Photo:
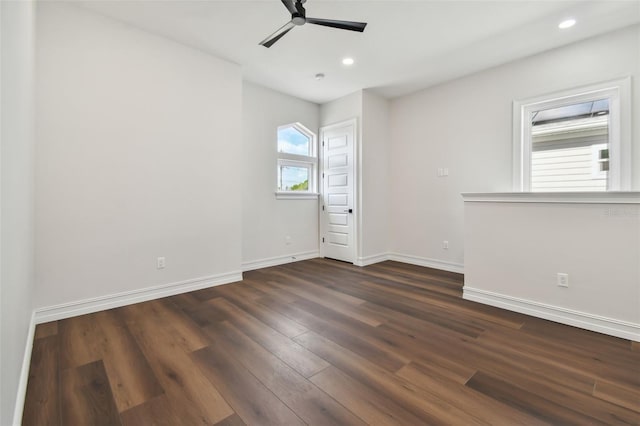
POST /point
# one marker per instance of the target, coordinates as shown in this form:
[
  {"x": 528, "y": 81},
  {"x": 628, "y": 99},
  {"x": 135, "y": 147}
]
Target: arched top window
[
  {"x": 297, "y": 162},
  {"x": 296, "y": 139}
]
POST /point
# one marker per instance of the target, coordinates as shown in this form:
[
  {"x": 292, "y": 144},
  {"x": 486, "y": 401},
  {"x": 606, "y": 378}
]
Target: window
[
  {"x": 297, "y": 162},
  {"x": 577, "y": 140},
  {"x": 599, "y": 161}
]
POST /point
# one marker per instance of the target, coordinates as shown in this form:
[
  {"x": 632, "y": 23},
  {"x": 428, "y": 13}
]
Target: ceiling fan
[{"x": 299, "y": 17}]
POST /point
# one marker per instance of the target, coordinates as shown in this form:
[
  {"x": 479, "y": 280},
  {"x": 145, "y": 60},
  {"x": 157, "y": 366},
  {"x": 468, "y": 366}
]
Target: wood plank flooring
[{"x": 321, "y": 342}]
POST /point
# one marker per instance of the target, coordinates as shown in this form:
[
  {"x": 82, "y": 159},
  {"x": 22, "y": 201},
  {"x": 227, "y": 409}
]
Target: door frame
[{"x": 356, "y": 185}]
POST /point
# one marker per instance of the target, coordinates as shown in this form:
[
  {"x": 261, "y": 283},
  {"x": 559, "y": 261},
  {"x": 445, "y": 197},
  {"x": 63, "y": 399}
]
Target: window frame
[
  {"x": 619, "y": 94},
  {"x": 297, "y": 160},
  {"x": 596, "y": 161}
]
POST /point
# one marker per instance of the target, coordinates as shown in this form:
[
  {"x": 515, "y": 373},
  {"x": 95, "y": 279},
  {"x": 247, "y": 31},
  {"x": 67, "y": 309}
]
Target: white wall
[
  {"x": 139, "y": 156},
  {"x": 266, "y": 221},
  {"x": 465, "y": 125},
  {"x": 514, "y": 250},
  {"x": 375, "y": 184},
  {"x": 17, "y": 202},
  {"x": 342, "y": 109}
]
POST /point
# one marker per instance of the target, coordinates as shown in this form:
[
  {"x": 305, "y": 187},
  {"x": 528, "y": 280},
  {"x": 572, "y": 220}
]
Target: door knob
[{"x": 350, "y": 210}]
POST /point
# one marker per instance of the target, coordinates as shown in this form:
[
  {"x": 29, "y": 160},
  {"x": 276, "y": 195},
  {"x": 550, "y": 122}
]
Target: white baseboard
[
  {"x": 610, "y": 326},
  {"x": 360, "y": 261},
  {"x": 412, "y": 260},
  {"x": 95, "y": 304},
  {"x": 24, "y": 373},
  {"x": 370, "y": 260},
  {"x": 426, "y": 262},
  {"x": 279, "y": 260}
]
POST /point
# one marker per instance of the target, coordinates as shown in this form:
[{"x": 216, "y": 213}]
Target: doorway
[{"x": 338, "y": 186}]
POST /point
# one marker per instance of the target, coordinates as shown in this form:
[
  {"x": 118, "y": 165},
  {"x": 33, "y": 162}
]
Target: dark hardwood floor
[{"x": 322, "y": 342}]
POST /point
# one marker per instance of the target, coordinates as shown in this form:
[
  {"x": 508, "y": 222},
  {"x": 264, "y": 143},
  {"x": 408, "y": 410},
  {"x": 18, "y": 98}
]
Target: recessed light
[
  {"x": 348, "y": 61},
  {"x": 319, "y": 76},
  {"x": 567, "y": 23}
]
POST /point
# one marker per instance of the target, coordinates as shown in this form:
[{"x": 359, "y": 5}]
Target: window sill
[
  {"x": 604, "y": 197},
  {"x": 289, "y": 195}
]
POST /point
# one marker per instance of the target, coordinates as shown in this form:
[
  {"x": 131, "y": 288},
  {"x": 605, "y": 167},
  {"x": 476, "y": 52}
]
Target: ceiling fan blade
[
  {"x": 343, "y": 25},
  {"x": 290, "y": 6},
  {"x": 268, "y": 42}
]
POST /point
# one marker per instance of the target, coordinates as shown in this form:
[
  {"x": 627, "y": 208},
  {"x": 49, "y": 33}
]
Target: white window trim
[
  {"x": 303, "y": 162},
  {"x": 296, "y": 160},
  {"x": 619, "y": 94},
  {"x": 296, "y": 195}
]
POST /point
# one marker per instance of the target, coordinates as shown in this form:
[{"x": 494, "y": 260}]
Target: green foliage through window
[{"x": 302, "y": 186}]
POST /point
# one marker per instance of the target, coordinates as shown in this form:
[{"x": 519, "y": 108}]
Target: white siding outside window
[{"x": 565, "y": 155}]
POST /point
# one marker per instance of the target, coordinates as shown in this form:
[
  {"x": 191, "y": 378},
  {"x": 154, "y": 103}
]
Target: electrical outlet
[
  {"x": 161, "y": 263},
  {"x": 287, "y": 240},
  {"x": 445, "y": 245},
  {"x": 563, "y": 280}
]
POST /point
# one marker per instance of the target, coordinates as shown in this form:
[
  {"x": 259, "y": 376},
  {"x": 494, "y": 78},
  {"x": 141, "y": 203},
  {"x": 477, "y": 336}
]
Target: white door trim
[{"x": 356, "y": 184}]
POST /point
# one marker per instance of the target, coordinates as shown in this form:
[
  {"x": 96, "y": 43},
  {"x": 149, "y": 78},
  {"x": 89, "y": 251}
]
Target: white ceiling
[{"x": 407, "y": 45}]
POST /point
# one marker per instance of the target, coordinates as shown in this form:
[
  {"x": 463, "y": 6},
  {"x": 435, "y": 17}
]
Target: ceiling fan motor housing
[{"x": 298, "y": 19}]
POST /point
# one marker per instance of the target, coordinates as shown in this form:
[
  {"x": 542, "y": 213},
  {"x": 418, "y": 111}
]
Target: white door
[{"x": 338, "y": 202}]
